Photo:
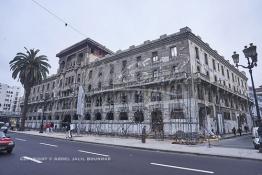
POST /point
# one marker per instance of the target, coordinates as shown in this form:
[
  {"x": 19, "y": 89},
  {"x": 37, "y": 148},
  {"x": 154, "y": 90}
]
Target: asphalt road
[
  {"x": 49, "y": 156},
  {"x": 244, "y": 142}
]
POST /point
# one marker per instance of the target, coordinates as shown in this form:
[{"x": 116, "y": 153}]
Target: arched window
[
  {"x": 139, "y": 116},
  {"x": 110, "y": 116},
  {"x": 123, "y": 116},
  {"x": 57, "y": 117},
  {"x": 98, "y": 116},
  {"x": 75, "y": 117},
  {"x": 87, "y": 116}
]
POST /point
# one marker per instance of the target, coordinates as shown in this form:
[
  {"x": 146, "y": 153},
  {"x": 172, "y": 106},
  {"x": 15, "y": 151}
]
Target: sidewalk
[{"x": 152, "y": 144}]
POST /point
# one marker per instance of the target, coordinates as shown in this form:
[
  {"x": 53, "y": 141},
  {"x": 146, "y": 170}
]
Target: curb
[
  {"x": 148, "y": 149},
  {"x": 230, "y": 137}
]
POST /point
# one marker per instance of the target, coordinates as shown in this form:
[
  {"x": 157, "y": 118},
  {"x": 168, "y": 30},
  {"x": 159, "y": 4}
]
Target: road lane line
[
  {"x": 21, "y": 139},
  {"x": 104, "y": 155},
  {"x": 48, "y": 144},
  {"x": 183, "y": 168},
  {"x": 33, "y": 160}
]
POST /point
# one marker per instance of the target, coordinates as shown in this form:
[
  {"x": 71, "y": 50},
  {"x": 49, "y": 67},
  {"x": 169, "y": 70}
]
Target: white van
[{"x": 255, "y": 137}]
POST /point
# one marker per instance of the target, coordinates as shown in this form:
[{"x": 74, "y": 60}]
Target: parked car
[
  {"x": 4, "y": 129},
  {"x": 6, "y": 143},
  {"x": 255, "y": 137}
]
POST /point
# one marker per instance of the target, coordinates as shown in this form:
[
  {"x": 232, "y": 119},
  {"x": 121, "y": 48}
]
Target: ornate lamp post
[
  {"x": 43, "y": 110},
  {"x": 251, "y": 56}
]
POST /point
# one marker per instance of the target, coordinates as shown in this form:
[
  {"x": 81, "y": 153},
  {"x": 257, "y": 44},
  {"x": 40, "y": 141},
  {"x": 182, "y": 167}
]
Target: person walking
[
  {"x": 239, "y": 130},
  {"x": 234, "y": 131},
  {"x": 68, "y": 133},
  {"x": 51, "y": 127}
]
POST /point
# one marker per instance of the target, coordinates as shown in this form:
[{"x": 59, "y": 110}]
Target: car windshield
[{"x": 2, "y": 135}]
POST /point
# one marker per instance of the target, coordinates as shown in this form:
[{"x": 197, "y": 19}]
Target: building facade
[
  {"x": 9, "y": 98},
  {"x": 259, "y": 100},
  {"x": 171, "y": 84}
]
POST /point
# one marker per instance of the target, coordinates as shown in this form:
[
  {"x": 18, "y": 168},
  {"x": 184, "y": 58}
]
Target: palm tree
[{"x": 30, "y": 69}]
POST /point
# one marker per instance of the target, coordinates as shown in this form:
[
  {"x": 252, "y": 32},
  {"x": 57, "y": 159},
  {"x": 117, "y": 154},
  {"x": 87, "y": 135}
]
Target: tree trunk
[{"x": 25, "y": 108}]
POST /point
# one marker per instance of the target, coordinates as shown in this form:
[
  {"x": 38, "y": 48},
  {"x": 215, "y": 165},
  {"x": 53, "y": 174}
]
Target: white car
[{"x": 255, "y": 137}]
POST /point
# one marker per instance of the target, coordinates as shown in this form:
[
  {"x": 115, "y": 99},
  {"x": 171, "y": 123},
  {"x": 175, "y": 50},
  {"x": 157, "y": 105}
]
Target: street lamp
[
  {"x": 251, "y": 56},
  {"x": 42, "y": 110}
]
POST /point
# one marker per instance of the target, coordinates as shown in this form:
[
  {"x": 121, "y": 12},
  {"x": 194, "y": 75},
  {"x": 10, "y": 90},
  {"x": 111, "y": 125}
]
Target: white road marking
[
  {"x": 183, "y": 168},
  {"x": 33, "y": 160},
  {"x": 48, "y": 144},
  {"x": 21, "y": 139},
  {"x": 93, "y": 153}
]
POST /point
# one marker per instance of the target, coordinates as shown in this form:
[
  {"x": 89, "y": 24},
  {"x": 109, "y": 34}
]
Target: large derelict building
[{"x": 174, "y": 83}]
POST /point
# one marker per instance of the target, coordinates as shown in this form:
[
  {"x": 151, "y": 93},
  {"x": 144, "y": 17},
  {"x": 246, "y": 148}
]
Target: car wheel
[{"x": 9, "y": 151}]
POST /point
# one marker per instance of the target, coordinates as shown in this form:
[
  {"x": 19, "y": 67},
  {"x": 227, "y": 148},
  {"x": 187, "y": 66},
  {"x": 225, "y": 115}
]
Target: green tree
[{"x": 29, "y": 69}]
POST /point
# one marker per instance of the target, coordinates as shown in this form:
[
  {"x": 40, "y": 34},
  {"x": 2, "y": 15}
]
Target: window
[
  {"x": 99, "y": 101},
  {"x": 111, "y": 83},
  {"x": 218, "y": 67},
  {"x": 174, "y": 69},
  {"x": 138, "y": 76},
  {"x": 156, "y": 96},
  {"x": 207, "y": 73},
  {"x": 139, "y": 116},
  {"x": 214, "y": 64},
  {"x": 138, "y": 61},
  {"x": 72, "y": 79},
  {"x": 197, "y": 53},
  {"x": 124, "y": 63},
  {"x": 215, "y": 78},
  {"x": 111, "y": 69},
  {"x": 233, "y": 77},
  {"x": 100, "y": 73},
  {"x": 138, "y": 97},
  {"x": 98, "y": 116},
  {"x": 110, "y": 116},
  {"x": 154, "y": 57},
  {"x": 228, "y": 74},
  {"x": 99, "y": 85},
  {"x": 227, "y": 116},
  {"x": 198, "y": 69},
  {"x": 177, "y": 114},
  {"x": 123, "y": 116},
  {"x": 47, "y": 86},
  {"x": 78, "y": 78},
  {"x": 222, "y": 69},
  {"x": 90, "y": 74},
  {"x": 155, "y": 74},
  {"x": 123, "y": 98},
  {"x": 206, "y": 59},
  {"x": 173, "y": 51}
]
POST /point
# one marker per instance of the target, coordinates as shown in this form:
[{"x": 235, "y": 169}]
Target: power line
[{"x": 58, "y": 18}]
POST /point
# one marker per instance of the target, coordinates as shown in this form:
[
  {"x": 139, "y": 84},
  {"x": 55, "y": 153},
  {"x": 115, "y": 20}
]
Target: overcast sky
[{"x": 226, "y": 25}]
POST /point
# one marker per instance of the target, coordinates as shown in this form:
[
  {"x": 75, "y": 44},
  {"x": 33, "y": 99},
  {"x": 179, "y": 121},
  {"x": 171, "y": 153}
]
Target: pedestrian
[
  {"x": 47, "y": 127},
  {"x": 51, "y": 127},
  {"x": 239, "y": 130},
  {"x": 72, "y": 127},
  {"x": 234, "y": 131},
  {"x": 246, "y": 128},
  {"x": 68, "y": 134}
]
